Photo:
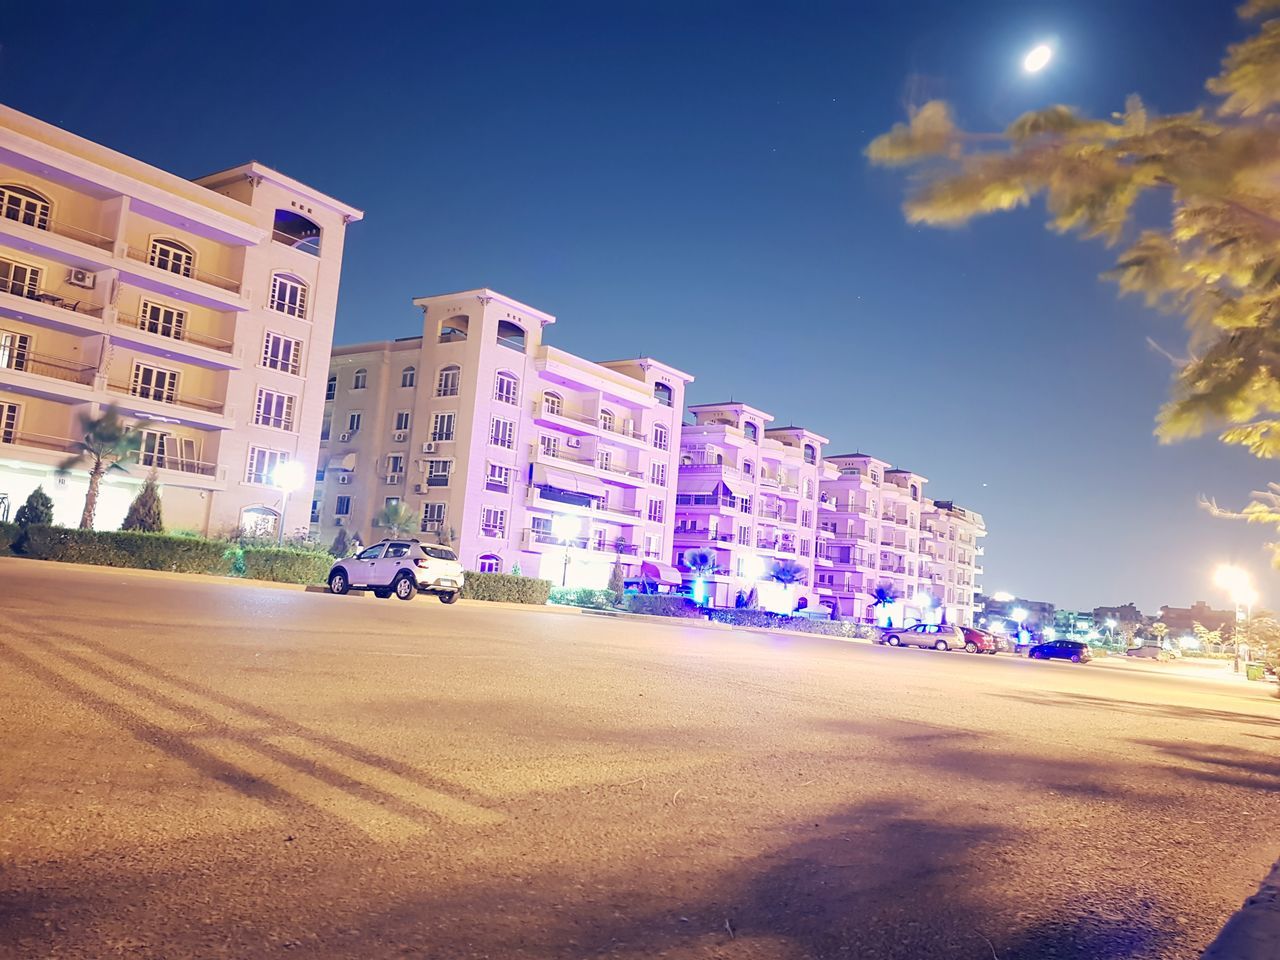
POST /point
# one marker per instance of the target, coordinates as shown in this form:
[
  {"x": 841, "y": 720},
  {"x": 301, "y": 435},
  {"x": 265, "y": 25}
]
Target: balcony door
[
  {"x": 15, "y": 349},
  {"x": 19, "y": 279},
  {"x": 154, "y": 383},
  {"x": 166, "y": 321},
  {"x": 8, "y": 422}
]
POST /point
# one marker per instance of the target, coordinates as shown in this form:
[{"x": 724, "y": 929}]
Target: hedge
[
  {"x": 8, "y": 534},
  {"x": 143, "y": 551},
  {"x": 663, "y": 605},
  {"x": 781, "y": 621},
  {"x": 585, "y": 597},
  {"x": 506, "y": 588},
  {"x": 284, "y": 564}
]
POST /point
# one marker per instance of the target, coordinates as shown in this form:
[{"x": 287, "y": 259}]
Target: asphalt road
[{"x": 202, "y": 770}]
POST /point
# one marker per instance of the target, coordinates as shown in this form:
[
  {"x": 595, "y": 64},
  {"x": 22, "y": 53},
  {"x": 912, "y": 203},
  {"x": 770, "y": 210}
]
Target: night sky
[{"x": 686, "y": 180}]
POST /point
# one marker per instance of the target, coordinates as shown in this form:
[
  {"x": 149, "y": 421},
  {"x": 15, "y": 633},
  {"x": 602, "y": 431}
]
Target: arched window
[
  {"x": 808, "y": 489},
  {"x": 748, "y": 467},
  {"x": 915, "y": 492},
  {"x": 553, "y": 404},
  {"x": 331, "y": 388},
  {"x": 489, "y": 563},
  {"x": 259, "y": 521},
  {"x": 608, "y": 421},
  {"x": 454, "y": 328},
  {"x": 360, "y": 380},
  {"x": 172, "y": 256},
  {"x": 448, "y": 381},
  {"x": 408, "y": 376},
  {"x": 506, "y": 387},
  {"x": 25, "y": 206},
  {"x": 294, "y": 230},
  {"x": 662, "y": 393},
  {"x": 810, "y": 453},
  {"x": 288, "y": 295},
  {"x": 750, "y": 431},
  {"x": 511, "y": 335},
  {"x": 661, "y": 438}
]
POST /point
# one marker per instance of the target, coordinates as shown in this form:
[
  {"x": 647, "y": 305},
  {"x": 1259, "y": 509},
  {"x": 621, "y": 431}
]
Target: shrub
[
  {"x": 584, "y": 597},
  {"x": 506, "y": 588},
  {"x": 144, "y": 512},
  {"x": 663, "y": 605},
  {"x": 144, "y": 551},
  {"x": 284, "y": 564},
  {"x": 9, "y": 532},
  {"x": 37, "y": 509},
  {"x": 762, "y": 619}
]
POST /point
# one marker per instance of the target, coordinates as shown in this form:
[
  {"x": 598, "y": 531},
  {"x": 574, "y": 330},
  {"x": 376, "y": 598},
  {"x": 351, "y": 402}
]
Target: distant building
[
  {"x": 1039, "y": 613},
  {"x": 1127, "y": 613},
  {"x": 1182, "y": 620}
]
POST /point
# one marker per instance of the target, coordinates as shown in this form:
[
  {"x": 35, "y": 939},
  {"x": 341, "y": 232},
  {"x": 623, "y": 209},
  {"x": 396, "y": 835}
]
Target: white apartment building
[
  {"x": 520, "y": 455},
  {"x": 205, "y": 308}
]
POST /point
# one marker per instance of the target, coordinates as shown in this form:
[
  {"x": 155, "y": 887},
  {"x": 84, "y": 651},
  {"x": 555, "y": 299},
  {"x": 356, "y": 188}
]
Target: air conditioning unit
[
  {"x": 428, "y": 448},
  {"x": 574, "y": 442},
  {"x": 344, "y": 438},
  {"x": 421, "y": 488},
  {"x": 339, "y": 521},
  {"x": 81, "y": 278},
  {"x": 400, "y": 437},
  {"x": 393, "y": 478},
  {"x": 344, "y": 478}
]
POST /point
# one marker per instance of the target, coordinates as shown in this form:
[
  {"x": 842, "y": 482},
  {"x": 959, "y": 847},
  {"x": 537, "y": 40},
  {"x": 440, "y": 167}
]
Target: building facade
[
  {"x": 521, "y": 456},
  {"x": 203, "y": 308}
]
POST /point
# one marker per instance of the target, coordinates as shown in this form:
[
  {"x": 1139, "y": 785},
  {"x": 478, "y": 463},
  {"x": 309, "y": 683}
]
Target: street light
[
  {"x": 286, "y": 477},
  {"x": 1238, "y": 585},
  {"x": 565, "y": 528}
]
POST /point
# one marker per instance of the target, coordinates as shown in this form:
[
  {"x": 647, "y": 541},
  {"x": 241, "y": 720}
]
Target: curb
[
  {"x": 162, "y": 574},
  {"x": 1253, "y": 932}
]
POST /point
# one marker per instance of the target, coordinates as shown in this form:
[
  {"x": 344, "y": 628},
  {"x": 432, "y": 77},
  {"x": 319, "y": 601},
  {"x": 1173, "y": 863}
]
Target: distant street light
[
  {"x": 565, "y": 528},
  {"x": 1237, "y": 583},
  {"x": 1018, "y": 614},
  {"x": 287, "y": 477}
]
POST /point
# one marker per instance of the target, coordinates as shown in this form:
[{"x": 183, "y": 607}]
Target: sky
[{"x": 686, "y": 180}]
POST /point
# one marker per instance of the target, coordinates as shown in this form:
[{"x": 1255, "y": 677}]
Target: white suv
[{"x": 402, "y": 567}]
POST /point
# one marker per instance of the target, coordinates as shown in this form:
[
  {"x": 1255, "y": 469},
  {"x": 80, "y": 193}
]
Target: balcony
[
  {"x": 213, "y": 279},
  {"x": 612, "y": 474},
  {"x": 66, "y": 243},
  {"x": 547, "y": 538},
  {"x": 39, "y": 441},
  {"x": 201, "y": 412},
  {"x": 706, "y": 500},
  {"x": 562, "y": 501},
  {"x": 56, "y": 368},
  {"x": 148, "y": 335},
  {"x": 701, "y": 536}
]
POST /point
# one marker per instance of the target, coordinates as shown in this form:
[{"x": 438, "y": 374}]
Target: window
[
  {"x": 540, "y": 525},
  {"x": 402, "y": 420},
  {"x": 915, "y": 492},
  {"x": 395, "y": 463},
  {"x": 331, "y": 388},
  {"x": 154, "y": 383},
  {"x": 283, "y": 353},
  {"x": 288, "y": 296},
  {"x": 8, "y": 422},
  {"x": 810, "y": 453},
  {"x": 506, "y": 388},
  {"x": 489, "y": 563},
  {"x": 806, "y": 518},
  {"x": 15, "y": 350},
  {"x": 493, "y": 522},
  {"x": 553, "y": 404},
  {"x": 19, "y": 279},
  {"x": 25, "y": 206},
  {"x": 658, "y": 473},
  {"x": 262, "y": 464},
  {"x": 498, "y": 479},
  {"x": 663, "y": 394},
  {"x": 274, "y": 409},
  {"x": 454, "y": 329},
  {"x": 607, "y": 421},
  {"x": 748, "y": 467},
  {"x": 804, "y": 548},
  {"x": 360, "y": 380},
  {"x": 442, "y": 426},
  {"x": 353, "y": 421},
  {"x": 438, "y": 472},
  {"x": 408, "y": 376},
  {"x": 604, "y": 459},
  {"x": 657, "y": 509},
  {"x": 550, "y": 446},
  {"x": 432, "y": 517},
  {"x": 448, "y": 380},
  {"x": 161, "y": 319},
  {"x": 171, "y": 256},
  {"x": 660, "y": 438},
  {"x": 744, "y": 536},
  {"x": 315, "y": 511},
  {"x": 510, "y": 335},
  {"x": 808, "y": 489},
  {"x": 502, "y": 433},
  {"x": 296, "y": 231},
  {"x": 342, "y": 506},
  {"x": 750, "y": 431},
  {"x": 326, "y": 425},
  {"x": 154, "y": 451}
]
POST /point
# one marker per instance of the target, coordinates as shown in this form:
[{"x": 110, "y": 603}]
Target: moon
[{"x": 1037, "y": 58}]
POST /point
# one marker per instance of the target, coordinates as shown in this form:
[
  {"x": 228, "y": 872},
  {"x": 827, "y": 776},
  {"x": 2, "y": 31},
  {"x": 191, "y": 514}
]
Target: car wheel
[
  {"x": 1034, "y": 655},
  {"x": 992, "y": 652},
  {"x": 1075, "y": 658},
  {"x": 970, "y": 647},
  {"x": 893, "y": 641},
  {"x": 941, "y": 645},
  {"x": 338, "y": 582},
  {"x": 450, "y": 597},
  {"x": 405, "y": 588}
]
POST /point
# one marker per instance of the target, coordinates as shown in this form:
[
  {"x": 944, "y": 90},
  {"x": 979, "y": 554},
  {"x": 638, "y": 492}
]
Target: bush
[
  {"x": 144, "y": 513},
  {"x": 584, "y": 597},
  {"x": 505, "y": 588},
  {"x": 37, "y": 509},
  {"x": 663, "y": 605},
  {"x": 144, "y": 551},
  {"x": 9, "y": 532},
  {"x": 284, "y": 564}
]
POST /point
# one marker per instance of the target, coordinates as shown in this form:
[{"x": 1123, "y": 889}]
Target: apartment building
[
  {"x": 520, "y": 455},
  {"x": 950, "y": 550},
  {"x": 748, "y": 495},
  {"x": 204, "y": 308}
]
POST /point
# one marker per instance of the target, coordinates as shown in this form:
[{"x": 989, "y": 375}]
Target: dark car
[
  {"x": 979, "y": 641},
  {"x": 1073, "y": 650}
]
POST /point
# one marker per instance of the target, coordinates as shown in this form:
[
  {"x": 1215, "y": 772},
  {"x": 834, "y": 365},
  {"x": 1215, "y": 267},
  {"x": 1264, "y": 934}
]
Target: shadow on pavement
[{"x": 1167, "y": 711}]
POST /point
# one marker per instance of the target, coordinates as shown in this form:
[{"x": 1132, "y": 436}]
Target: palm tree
[
  {"x": 884, "y": 595},
  {"x": 701, "y": 563},
  {"x": 788, "y": 572},
  {"x": 397, "y": 518},
  {"x": 108, "y": 444}
]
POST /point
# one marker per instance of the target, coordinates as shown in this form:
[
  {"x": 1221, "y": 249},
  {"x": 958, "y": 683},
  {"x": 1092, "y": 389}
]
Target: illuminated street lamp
[
  {"x": 565, "y": 528},
  {"x": 287, "y": 477},
  {"x": 1237, "y": 583}
]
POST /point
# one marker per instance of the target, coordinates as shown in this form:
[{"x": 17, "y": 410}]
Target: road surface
[{"x": 204, "y": 770}]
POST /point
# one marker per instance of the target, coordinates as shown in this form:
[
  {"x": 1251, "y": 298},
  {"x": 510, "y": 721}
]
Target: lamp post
[
  {"x": 565, "y": 528},
  {"x": 1238, "y": 584},
  {"x": 286, "y": 477}
]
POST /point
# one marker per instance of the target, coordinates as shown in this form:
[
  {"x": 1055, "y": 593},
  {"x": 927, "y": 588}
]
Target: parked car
[
  {"x": 980, "y": 641},
  {"x": 1074, "y": 650},
  {"x": 401, "y": 567},
  {"x": 939, "y": 636}
]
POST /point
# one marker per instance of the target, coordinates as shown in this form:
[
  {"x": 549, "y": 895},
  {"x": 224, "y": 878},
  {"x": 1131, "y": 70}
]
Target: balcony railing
[
  {"x": 40, "y": 440},
  {"x": 55, "y": 367},
  {"x": 580, "y": 543},
  {"x": 180, "y": 400},
  {"x": 72, "y": 303},
  {"x": 543, "y": 495},
  {"x": 722, "y": 468},
  {"x": 178, "y": 464},
  {"x": 182, "y": 334},
  {"x": 591, "y": 462},
  {"x": 68, "y": 230},
  {"x": 705, "y": 500},
  {"x": 727, "y": 538},
  {"x": 213, "y": 279}
]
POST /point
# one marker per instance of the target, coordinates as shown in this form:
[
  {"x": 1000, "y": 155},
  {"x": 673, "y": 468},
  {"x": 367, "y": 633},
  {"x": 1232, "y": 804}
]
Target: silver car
[
  {"x": 937, "y": 636},
  {"x": 404, "y": 568}
]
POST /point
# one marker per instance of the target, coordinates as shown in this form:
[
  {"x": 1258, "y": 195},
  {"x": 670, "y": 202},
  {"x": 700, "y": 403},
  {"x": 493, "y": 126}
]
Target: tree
[
  {"x": 397, "y": 518},
  {"x": 1160, "y": 630},
  {"x": 144, "y": 512},
  {"x": 37, "y": 509},
  {"x": 885, "y": 595},
  {"x": 701, "y": 563},
  {"x": 1217, "y": 263},
  {"x": 617, "y": 585},
  {"x": 107, "y": 444},
  {"x": 339, "y": 548},
  {"x": 788, "y": 572},
  {"x": 1208, "y": 638}
]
